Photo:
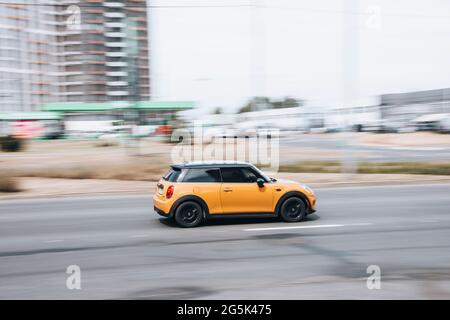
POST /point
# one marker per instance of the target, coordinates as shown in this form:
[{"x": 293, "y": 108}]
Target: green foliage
[
  {"x": 263, "y": 103},
  {"x": 10, "y": 144},
  {"x": 218, "y": 110}
]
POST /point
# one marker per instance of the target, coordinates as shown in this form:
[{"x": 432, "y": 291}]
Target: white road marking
[
  {"x": 429, "y": 220},
  {"x": 140, "y": 236},
  {"x": 308, "y": 227},
  {"x": 52, "y": 241}
]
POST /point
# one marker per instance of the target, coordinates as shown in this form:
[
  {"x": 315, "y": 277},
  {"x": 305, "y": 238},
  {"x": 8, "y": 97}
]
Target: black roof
[{"x": 211, "y": 164}]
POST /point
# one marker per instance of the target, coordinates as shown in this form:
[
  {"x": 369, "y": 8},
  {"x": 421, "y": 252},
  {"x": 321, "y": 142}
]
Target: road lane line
[
  {"x": 308, "y": 227},
  {"x": 52, "y": 241}
]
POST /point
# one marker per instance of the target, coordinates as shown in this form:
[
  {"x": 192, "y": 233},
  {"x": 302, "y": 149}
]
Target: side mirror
[{"x": 260, "y": 182}]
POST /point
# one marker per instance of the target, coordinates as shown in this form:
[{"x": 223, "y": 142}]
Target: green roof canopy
[
  {"x": 143, "y": 105},
  {"x": 11, "y": 116}
]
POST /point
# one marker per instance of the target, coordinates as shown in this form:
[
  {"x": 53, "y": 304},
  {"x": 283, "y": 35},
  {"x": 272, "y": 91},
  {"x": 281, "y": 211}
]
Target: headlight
[{"x": 307, "y": 188}]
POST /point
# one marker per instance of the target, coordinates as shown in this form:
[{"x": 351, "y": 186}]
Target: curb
[{"x": 338, "y": 184}]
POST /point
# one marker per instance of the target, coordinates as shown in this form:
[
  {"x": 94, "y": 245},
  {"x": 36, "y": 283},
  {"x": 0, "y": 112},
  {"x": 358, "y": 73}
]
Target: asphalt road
[
  {"x": 364, "y": 152},
  {"x": 126, "y": 251}
]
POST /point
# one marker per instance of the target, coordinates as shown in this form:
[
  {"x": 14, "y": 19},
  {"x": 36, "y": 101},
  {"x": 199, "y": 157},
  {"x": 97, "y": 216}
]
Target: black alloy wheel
[
  {"x": 189, "y": 214},
  {"x": 293, "y": 210}
]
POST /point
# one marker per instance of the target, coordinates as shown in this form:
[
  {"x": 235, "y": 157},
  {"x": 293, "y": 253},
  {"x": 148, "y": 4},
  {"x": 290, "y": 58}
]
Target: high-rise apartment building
[{"x": 72, "y": 51}]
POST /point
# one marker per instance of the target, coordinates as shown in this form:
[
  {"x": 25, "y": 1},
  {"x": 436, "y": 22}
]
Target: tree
[
  {"x": 256, "y": 104},
  {"x": 263, "y": 103},
  {"x": 287, "y": 102},
  {"x": 218, "y": 110}
]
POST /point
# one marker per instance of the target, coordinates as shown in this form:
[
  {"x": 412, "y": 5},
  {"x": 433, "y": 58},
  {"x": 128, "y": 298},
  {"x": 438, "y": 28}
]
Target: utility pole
[
  {"x": 349, "y": 75},
  {"x": 132, "y": 54},
  {"x": 257, "y": 52}
]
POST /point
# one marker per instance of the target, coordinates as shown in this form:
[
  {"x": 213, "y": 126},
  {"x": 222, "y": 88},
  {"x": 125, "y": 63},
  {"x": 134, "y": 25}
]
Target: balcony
[
  {"x": 117, "y": 74},
  {"x": 113, "y": 4},
  {"x": 117, "y": 93},
  {"x": 117, "y": 83},
  {"x": 115, "y": 25},
  {"x": 115, "y": 44},
  {"x": 117, "y": 64},
  {"x": 69, "y": 83},
  {"x": 118, "y": 54},
  {"x": 115, "y": 34},
  {"x": 64, "y": 54},
  {"x": 114, "y": 15}
]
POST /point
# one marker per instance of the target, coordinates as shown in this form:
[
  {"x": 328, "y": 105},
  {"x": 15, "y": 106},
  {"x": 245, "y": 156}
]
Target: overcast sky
[{"x": 222, "y": 56}]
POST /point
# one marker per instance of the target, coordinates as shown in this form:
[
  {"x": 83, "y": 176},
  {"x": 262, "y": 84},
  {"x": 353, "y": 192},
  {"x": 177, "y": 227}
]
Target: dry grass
[
  {"x": 86, "y": 160},
  {"x": 124, "y": 171},
  {"x": 434, "y": 168},
  {"x": 313, "y": 166},
  {"x": 72, "y": 159},
  {"x": 431, "y": 168}
]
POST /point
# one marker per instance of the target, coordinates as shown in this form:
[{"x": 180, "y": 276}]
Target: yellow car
[{"x": 195, "y": 191}]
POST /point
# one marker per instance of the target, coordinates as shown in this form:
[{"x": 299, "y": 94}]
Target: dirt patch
[{"x": 414, "y": 139}]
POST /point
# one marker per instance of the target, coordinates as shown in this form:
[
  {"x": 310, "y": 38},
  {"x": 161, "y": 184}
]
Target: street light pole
[
  {"x": 257, "y": 52},
  {"x": 132, "y": 51},
  {"x": 349, "y": 75}
]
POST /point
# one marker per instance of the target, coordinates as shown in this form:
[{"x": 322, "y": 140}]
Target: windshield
[{"x": 265, "y": 177}]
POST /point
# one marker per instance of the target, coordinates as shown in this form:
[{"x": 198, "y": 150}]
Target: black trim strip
[{"x": 242, "y": 215}]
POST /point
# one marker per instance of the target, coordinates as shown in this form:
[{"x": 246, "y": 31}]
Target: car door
[
  {"x": 239, "y": 192},
  {"x": 204, "y": 183}
]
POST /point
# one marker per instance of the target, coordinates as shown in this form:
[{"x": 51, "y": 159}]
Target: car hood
[{"x": 287, "y": 181}]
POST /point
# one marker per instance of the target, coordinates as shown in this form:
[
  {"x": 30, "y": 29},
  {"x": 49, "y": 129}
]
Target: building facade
[
  {"x": 410, "y": 105},
  {"x": 72, "y": 51}
]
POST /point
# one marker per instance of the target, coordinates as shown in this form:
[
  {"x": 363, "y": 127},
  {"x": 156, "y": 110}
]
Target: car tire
[
  {"x": 293, "y": 209},
  {"x": 189, "y": 214}
]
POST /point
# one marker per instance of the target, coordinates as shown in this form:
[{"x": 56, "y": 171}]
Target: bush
[
  {"x": 10, "y": 144},
  {"x": 8, "y": 184},
  {"x": 106, "y": 144}
]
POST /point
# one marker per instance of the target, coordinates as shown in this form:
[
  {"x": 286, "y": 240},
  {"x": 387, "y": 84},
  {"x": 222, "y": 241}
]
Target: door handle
[{"x": 227, "y": 190}]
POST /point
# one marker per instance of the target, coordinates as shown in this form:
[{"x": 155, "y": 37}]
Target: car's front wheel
[
  {"x": 293, "y": 210},
  {"x": 189, "y": 214}
]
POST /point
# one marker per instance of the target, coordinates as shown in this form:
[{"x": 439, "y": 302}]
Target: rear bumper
[
  {"x": 160, "y": 212},
  {"x": 161, "y": 206}
]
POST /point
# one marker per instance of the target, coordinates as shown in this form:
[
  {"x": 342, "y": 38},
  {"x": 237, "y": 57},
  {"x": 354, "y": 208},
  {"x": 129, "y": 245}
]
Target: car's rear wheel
[
  {"x": 293, "y": 209},
  {"x": 189, "y": 214}
]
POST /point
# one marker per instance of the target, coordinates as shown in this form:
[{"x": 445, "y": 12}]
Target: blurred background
[
  {"x": 92, "y": 90},
  {"x": 78, "y": 75}
]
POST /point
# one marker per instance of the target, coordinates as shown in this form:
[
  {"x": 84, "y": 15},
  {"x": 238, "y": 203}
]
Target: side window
[
  {"x": 202, "y": 175},
  {"x": 172, "y": 175},
  {"x": 238, "y": 175},
  {"x": 250, "y": 175}
]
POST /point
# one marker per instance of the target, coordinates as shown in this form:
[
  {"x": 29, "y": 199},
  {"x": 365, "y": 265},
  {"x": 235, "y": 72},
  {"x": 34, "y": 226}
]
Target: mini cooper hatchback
[{"x": 193, "y": 192}]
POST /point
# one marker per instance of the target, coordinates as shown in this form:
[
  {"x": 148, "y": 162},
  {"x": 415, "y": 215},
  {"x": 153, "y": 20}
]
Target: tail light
[{"x": 169, "y": 192}]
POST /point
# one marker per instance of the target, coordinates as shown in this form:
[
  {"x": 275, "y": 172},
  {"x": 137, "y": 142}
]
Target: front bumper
[{"x": 312, "y": 204}]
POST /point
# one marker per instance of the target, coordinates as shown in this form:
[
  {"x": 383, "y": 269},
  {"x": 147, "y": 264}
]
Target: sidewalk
[{"x": 49, "y": 187}]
